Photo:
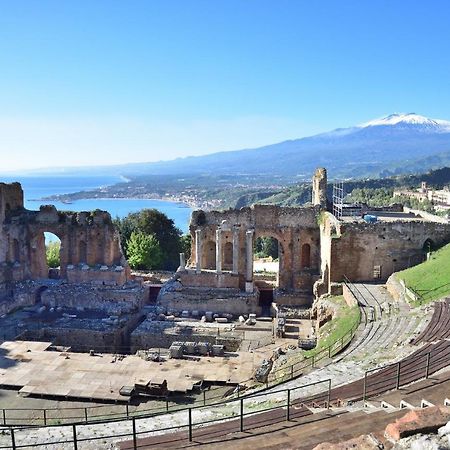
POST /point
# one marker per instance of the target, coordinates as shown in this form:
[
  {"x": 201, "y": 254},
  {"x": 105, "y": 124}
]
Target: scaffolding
[{"x": 338, "y": 199}]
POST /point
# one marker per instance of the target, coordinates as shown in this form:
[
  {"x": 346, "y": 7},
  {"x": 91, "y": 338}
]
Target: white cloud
[{"x": 36, "y": 143}]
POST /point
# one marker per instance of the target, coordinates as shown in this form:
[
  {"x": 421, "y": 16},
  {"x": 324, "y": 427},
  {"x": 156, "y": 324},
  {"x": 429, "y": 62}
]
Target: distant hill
[
  {"x": 396, "y": 144},
  {"x": 399, "y": 143}
]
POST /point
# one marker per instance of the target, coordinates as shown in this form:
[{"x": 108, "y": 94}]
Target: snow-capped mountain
[
  {"x": 395, "y": 144},
  {"x": 410, "y": 119}
]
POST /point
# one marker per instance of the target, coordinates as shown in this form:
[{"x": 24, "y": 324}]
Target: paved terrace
[{"x": 32, "y": 369}]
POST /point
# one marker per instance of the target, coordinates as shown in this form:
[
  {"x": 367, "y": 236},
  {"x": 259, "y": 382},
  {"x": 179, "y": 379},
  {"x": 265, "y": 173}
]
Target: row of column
[{"x": 219, "y": 242}]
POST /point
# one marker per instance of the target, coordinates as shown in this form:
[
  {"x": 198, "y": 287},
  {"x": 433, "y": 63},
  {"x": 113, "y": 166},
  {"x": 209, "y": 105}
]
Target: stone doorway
[{"x": 265, "y": 301}]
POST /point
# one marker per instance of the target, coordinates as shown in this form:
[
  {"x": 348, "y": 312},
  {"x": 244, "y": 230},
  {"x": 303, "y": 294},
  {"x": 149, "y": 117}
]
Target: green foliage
[
  {"x": 186, "y": 242},
  {"x": 431, "y": 279},
  {"x": 52, "y": 254},
  {"x": 414, "y": 203},
  {"x": 371, "y": 196},
  {"x": 265, "y": 247},
  {"x": 346, "y": 318},
  {"x": 155, "y": 223},
  {"x": 144, "y": 251}
]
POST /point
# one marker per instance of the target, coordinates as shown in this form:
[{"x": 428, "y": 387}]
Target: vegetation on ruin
[
  {"x": 345, "y": 319},
  {"x": 52, "y": 254},
  {"x": 152, "y": 222},
  {"x": 431, "y": 279}
]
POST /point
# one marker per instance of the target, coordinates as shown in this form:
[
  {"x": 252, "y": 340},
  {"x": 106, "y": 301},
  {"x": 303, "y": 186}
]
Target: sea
[{"x": 35, "y": 188}]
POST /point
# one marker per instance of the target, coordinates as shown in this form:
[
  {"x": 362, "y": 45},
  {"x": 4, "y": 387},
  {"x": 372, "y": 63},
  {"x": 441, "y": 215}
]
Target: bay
[{"x": 35, "y": 188}]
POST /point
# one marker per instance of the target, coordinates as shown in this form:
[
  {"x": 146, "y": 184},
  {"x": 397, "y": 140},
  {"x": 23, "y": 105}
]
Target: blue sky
[{"x": 105, "y": 82}]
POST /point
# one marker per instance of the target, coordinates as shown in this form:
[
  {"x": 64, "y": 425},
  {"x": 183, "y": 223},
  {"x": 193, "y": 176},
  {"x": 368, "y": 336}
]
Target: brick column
[
  {"x": 198, "y": 251},
  {"x": 249, "y": 261},
  {"x": 235, "y": 270},
  {"x": 219, "y": 250}
]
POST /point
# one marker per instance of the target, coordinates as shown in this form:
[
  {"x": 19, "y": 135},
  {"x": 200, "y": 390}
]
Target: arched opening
[
  {"x": 45, "y": 252},
  {"x": 52, "y": 255},
  {"x": 14, "y": 251},
  {"x": 209, "y": 255},
  {"x": 38, "y": 295},
  {"x": 266, "y": 269},
  {"x": 228, "y": 256},
  {"x": 428, "y": 247},
  {"x": 306, "y": 256},
  {"x": 82, "y": 252}
]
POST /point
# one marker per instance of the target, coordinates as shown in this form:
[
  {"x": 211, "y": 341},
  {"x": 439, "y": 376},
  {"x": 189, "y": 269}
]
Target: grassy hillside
[{"x": 431, "y": 279}]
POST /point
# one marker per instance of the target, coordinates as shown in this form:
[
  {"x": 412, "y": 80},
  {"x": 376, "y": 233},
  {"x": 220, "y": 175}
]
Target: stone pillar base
[{"x": 249, "y": 286}]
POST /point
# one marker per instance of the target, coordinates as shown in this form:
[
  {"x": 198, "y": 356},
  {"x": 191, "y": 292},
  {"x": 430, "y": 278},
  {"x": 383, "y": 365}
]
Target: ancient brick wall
[
  {"x": 367, "y": 251},
  {"x": 87, "y": 239}
]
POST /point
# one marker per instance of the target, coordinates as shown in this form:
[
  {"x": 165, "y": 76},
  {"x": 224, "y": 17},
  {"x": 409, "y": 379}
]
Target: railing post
[
  {"x": 292, "y": 371},
  {"x": 127, "y": 410},
  {"x": 13, "y": 439},
  {"x": 4, "y": 417},
  {"x": 75, "y": 443},
  {"x": 204, "y": 397},
  {"x": 398, "y": 376},
  {"x": 365, "y": 387},
  {"x": 86, "y": 414},
  {"x": 133, "y": 423},
  {"x": 329, "y": 394},
  {"x": 167, "y": 404},
  {"x": 427, "y": 369},
  {"x": 288, "y": 410},
  {"x": 45, "y": 416},
  {"x": 242, "y": 415},
  {"x": 190, "y": 424}
]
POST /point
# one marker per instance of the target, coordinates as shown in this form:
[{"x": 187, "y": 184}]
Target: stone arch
[
  {"x": 37, "y": 253},
  {"x": 279, "y": 280},
  {"x": 209, "y": 255},
  {"x": 306, "y": 256}
]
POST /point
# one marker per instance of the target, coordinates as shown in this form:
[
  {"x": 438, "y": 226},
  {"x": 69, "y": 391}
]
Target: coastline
[{"x": 182, "y": 201}]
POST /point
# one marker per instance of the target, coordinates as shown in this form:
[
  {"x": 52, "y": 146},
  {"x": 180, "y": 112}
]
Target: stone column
[
  {"x": 182, "y": 262},
  {"x": 235, "y": 270},
  {"x": 198, "y": 251},
  {"x": 219, "y": 250},
  {"x": 249, "y": 257}
]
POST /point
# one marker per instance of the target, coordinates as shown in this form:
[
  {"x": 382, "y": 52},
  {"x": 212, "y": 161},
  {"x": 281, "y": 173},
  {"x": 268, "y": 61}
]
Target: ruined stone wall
[
  {"x": 295, "y": 229},
  {"x": 153, "y": 334},
  {"x": 359, "y": 250},
  {"x": 90, "y": 296},
  {"x": 176, "y": 297},
  {"x": 209, "y": 279},
  {"x": 87, "y": 239},
  {"x": 319, "y": 188}
]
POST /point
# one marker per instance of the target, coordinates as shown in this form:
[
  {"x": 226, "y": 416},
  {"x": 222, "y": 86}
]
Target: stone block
[{"x": 427, "y": 420}]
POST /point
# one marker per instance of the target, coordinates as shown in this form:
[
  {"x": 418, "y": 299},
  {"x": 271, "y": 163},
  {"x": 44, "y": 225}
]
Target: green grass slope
[{"x": 431, "y": 279}]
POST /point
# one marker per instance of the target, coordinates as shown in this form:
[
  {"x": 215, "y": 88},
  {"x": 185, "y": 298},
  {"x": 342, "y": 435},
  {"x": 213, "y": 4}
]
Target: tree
[
  {"x": 156, "y": 223},
  {"x": 265, "y": 247},
  {"x": 52, "y": 254},
  {"x": 186, "y": 243},
  {"x": 144, "y": 251}
]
